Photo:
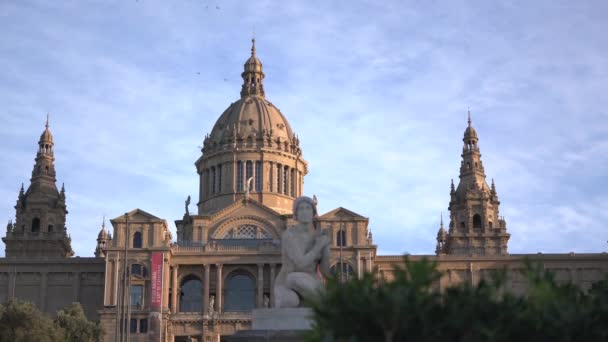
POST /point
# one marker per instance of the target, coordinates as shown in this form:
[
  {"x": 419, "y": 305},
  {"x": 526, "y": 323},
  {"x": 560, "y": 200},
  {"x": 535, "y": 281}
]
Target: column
[
  {"x": 260, "y": 296},
  {"x": 272, "y": 271},
  {"x": 174, "y": 289},
  {"x": 218, "y": 295},
  {"x": 76, "y": 286},
  {"x": 43, "y": 277},
  {"x": 206, "y": 272}
]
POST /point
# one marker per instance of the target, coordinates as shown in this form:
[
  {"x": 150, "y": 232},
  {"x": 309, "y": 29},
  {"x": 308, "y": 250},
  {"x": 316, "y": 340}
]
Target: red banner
[{"x": 157, "y": 280}]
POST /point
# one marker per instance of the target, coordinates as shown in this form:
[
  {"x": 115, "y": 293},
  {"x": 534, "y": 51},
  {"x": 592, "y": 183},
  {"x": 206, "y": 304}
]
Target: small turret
[
  {"x": 102, "y": 240},
  {"x": 441, "y": 239}
]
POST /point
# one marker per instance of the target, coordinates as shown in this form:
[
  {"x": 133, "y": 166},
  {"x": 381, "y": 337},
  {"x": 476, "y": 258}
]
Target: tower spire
[
  {"x": 474, "y": 206},
  {"x": 253, "y": 75},
  {"x": 41, "y": 210}
]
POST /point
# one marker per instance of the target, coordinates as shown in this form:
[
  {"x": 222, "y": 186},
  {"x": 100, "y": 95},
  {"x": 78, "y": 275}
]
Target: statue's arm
[{"x": 296, "y": 253}]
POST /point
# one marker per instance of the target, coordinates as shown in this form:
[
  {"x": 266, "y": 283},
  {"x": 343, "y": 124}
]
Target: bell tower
[
  {"x": 476, "y": 228},
  {"x": 39, "y": 229}
]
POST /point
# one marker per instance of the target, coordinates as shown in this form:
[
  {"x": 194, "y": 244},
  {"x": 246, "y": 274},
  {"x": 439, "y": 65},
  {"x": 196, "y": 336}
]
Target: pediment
[
  {"x": 245, "y": 206},
  {"x": 137, "y": 215},
  {"x": 342, "y": 213}
]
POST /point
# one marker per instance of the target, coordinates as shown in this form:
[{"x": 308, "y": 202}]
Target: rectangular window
[
  {"x": 137, "y": 294},
  {"x": 285, "y": 186},
  {"x": 258, "y": 176},
  {"x": 270, "y": 187},
  {"x": 249, "y": 172},
  {"x": 279, "y": 178},
  {"x": 213, "y": 175},
  {"x": 239, "y": 176},
  {"x": 143, "y": 325},
  {"x": 133, "y": 326},
  {"x": 292, "y": 181},
  {"x": 219, "y": 178}
]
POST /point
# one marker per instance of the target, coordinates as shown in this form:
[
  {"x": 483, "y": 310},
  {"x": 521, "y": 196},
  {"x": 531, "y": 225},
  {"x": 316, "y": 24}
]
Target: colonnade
[{"x": 219, "y": 288}]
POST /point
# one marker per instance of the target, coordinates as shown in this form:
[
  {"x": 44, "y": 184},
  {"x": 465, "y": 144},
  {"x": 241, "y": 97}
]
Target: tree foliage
[
  {"x": 23, "y": 322},
  {"x": 76, "y": 326},
  {"x": 409, "y": 308}
]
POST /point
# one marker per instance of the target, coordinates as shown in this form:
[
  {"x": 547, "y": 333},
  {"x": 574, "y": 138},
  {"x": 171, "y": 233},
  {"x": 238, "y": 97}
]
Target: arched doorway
[
  {"x": 191, "y": 294},
  {"x": 240, "y": 292}
]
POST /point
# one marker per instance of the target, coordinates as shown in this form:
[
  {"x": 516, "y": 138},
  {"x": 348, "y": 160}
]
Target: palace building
[{"x": 203, "y": 283}]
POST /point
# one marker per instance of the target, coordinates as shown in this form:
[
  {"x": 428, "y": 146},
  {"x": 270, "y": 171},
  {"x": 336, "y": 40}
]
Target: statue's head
[{"x": 304, "y": 209}]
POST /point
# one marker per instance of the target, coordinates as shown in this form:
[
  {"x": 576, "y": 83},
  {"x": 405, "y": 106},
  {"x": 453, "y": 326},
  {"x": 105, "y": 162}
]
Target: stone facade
[{"x": 226, "y": 255}]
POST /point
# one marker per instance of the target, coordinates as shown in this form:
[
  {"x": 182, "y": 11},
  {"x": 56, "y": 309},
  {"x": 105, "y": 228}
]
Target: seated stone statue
[{"x": 304, "y": 247}]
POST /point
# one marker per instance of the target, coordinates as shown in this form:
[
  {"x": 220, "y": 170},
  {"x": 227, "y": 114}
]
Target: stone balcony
[{"x": 215, "y": 246}]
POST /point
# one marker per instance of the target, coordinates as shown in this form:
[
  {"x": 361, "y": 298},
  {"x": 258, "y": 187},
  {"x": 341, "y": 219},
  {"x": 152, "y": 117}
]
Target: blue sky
[{"x": 377, "y": 91}]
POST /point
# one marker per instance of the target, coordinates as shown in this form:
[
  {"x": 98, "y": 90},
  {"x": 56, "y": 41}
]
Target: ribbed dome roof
[
  {"x": 46, "y": 136},
  {"x": 251, "y": 116},
  {"x": 470, "y": 131}
]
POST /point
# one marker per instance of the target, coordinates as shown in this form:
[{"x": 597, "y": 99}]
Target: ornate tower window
[
  {"x": 35, "y": 225},
  {"x": 476, "y": 221}
]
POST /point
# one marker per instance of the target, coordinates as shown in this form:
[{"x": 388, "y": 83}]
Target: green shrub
[{"x": 409, "y": 309}]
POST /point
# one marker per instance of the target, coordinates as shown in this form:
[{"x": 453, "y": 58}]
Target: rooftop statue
[{"x": 305, "y": 249}]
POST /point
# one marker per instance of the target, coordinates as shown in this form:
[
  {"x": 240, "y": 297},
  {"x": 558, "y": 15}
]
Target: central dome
[
  {"x": 252, "y": 120},
  {"x": 251, "y": 117},
  {"x": 251, "y": 153}
]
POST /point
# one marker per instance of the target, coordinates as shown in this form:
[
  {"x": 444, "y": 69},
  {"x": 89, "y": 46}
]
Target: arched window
[
  {"x": 490, "y": 224},
  {"x": 50, "y": 228},
  {"x": 191, "y": 295},
  {"x": 240, "y": 293},
  {"x": 137, "y": 240},
  {"x": 341, "y": 238},
  {"x": 476, "y": 221},
  {"x": 35, "y": 225},
  {"x": 342, "y": 270},
  {"x": 462, "y": 226}
]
